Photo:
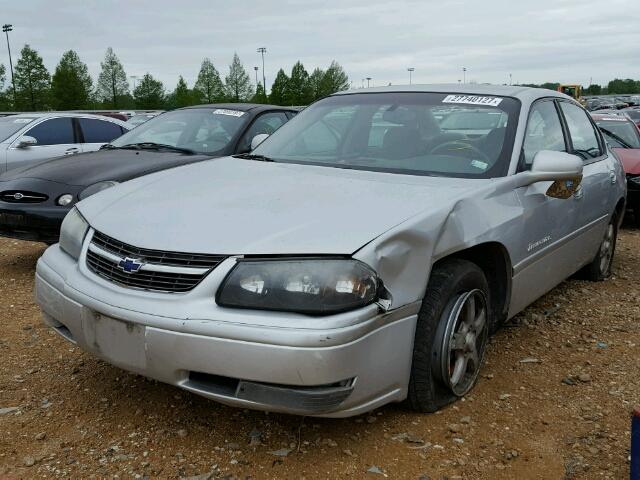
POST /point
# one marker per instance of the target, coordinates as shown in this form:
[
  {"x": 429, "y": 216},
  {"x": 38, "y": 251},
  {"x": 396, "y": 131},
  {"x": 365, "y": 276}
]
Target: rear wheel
[
  {"x": 600, "y": 267},
  {"x": 451, "y": 335}
]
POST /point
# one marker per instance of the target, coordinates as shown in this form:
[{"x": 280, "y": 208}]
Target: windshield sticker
[
  {"x": 224, "y": 111},
  {"x": 22, "y": 120},
  {"x": 479, "y": 164},
  {"x": 472, "y": 100}
]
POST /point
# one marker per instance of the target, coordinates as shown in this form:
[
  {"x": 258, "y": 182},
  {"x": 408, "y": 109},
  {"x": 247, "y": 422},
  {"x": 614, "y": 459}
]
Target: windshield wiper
[
  {"x": 587, "y": 154},
  {"x": 251, "y": 156},
  {"x": 609, "y": 133},
  {"x": 156, "y": 146},
  {"x": 108, "y": 146}
]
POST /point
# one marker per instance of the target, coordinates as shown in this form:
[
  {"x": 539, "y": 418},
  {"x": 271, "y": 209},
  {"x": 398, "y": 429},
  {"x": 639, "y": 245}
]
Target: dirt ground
[{"x": 553, "y": 402}]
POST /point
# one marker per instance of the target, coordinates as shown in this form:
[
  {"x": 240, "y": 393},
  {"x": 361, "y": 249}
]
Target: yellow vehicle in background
[{"x": 574, "y": 91}]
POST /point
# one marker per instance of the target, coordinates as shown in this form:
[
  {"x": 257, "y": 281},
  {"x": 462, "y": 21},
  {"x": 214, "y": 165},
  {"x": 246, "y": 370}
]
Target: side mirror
[
  {"x": 563, "y": 169},
  {"x": 258, "y": 139},
  {"x": 26, "y": 141}
]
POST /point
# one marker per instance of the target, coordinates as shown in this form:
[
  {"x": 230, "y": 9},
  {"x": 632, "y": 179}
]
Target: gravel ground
[{"x": 553, "y": 402}]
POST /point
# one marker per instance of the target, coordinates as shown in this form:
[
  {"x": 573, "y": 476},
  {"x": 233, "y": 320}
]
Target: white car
[{"x": 28, "y": 138}]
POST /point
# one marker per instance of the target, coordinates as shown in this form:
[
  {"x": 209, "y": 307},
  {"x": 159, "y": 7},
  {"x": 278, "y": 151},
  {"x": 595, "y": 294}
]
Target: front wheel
[{"x": 451, "y": 335}]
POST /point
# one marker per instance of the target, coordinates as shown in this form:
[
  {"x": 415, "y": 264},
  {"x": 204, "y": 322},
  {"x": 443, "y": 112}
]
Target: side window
[
  {"x": 544, "y": 131},
  {"x": 265, "y": 123},
  {"x": 583, "y": 135},
  {"x": 99, "y": 131},
  {"x": 55, "y": 131}
]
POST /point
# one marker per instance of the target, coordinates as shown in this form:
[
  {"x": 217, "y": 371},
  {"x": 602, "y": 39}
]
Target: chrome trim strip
[{"x": 149, "y": 267}]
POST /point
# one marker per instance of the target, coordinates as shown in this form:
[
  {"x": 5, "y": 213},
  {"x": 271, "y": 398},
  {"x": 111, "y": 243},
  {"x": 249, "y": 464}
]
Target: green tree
[
  {"x": 112, "y": 81},
  {"x": 209, "y": 86},
  {"x": 334, "y": 80},
  {"x": 5, "y": 96},
  {"x": 279, "y": 88},
  {"x": 149, "y": 94},
  {"x": 298, "y": 90},
  {"x": 259, "y": 96},
  {"x": 237, "y": 83},
  {"x": 33, "y": 82},
  {"x": 71, "y": 84},
  {"x": 182, "y": 96},
  {"x": 593, "y": 89},
  {"x": 315, "y": 84}
]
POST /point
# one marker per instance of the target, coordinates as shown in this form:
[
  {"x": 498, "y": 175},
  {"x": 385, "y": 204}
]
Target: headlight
[
  {"x": 311, "y": 286},
  {"x": 74, "y": 228},
  {"x": 95, "y": 188}
]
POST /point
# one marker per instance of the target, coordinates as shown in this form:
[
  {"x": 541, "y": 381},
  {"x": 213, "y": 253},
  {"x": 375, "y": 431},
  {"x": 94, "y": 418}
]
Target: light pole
[
  {"x": 464, "y": 74},
  {"x": 262, "y": 51},
  {"x": 368, "y": 80},
  {"x": 6, "y": 28},
  {"x": 410, "y": 70},
  {"x": 256, "y": 69},
  {"x": 510, "y": 79}
]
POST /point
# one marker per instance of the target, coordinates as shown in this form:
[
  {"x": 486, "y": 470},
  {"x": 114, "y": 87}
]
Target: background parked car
[
  {"x": 34, "y": 200},
  {"x": 623, "y": 137},
  {"x": 633, "y": 113},
  {"x": 30, "y": 138}
]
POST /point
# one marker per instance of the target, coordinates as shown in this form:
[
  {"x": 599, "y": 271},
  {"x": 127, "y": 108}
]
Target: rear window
[{"x": 99, "y": 131}]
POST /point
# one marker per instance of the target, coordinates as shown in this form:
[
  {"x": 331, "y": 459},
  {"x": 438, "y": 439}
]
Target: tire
[
  {"x": 600, "y": 268},
  {"x": 440, "y": 335}
]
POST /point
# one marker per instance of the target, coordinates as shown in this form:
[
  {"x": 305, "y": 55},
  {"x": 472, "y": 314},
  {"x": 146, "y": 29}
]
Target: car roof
[
  {"x": 516, "y": 91},
  {"x": 64, "y": 114},
  {"x": 242, "y": 107}
]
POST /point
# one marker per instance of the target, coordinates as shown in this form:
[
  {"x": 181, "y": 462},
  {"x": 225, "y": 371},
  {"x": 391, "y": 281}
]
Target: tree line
[
  {"x": 614, "y": 87},
  {"x": 72, "y": 88}
]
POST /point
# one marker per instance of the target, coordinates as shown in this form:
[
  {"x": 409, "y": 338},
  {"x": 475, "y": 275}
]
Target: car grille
[
  {"x": 21, "y": 196},
  {"x": 159, "y": 270}
]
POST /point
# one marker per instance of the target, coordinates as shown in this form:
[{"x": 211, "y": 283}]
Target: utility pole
[
  {"x": 262, "y": 51},
  {"x": 464, "y": 74},
  {"x": 6, "y": 28},
  {"x": 368, "y": 80},
  {"x": 410, "y": 70}
]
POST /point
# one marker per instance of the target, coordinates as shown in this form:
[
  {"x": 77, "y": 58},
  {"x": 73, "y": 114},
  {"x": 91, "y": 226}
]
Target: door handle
[
  {"x": 71, "y": 151},
  {"x": 613, "y": 177},
  {"x": 579, "y": 193}
]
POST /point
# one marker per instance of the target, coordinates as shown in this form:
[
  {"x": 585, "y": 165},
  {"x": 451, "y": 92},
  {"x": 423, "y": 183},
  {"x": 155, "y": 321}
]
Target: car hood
[
  {"x": 630, "y": 158},
  {"x": 233, "y": 206},
  {"x": 86, "y": 169}
]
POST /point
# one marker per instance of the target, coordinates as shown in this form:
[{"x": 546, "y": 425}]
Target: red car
[{"x": 623, "y": 137}]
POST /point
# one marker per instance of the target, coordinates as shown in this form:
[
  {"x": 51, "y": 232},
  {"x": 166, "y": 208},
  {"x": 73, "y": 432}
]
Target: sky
[{"x": 497, "y": 41}]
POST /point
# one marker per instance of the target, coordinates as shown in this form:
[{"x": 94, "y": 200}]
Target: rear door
[
  {"x": 595, "y": 192},
  {"x": 55, "y": 137},
  {"x": 95, "y": 133}
]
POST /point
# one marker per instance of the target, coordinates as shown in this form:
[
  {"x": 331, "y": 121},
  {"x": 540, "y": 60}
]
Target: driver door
[
  {"x": 55, "y": 136},
  {"x": 546, "y": 253}
]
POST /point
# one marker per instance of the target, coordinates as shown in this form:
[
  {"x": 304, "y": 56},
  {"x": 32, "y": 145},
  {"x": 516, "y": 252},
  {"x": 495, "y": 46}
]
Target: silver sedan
[{"x": 360, "y": 255}]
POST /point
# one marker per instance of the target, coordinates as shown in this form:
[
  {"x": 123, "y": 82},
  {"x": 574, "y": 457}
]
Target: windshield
[
  {"x": 10, "y": 125},
  {"x": 623, "y": 129},
  {"x": 409, "y": 132},
  {"x": 202, "y": 130},
  {"x": 633, "y": 114}
]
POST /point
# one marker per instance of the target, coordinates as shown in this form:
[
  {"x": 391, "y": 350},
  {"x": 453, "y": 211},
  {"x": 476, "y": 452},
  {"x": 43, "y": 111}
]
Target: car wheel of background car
[
  {"x": 451, "y": 335},
  {"x": 600, "y": 267}
]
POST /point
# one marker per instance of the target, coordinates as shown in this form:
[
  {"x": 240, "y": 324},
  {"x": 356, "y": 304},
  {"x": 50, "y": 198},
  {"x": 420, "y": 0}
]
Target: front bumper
[
  {"x": 36, "y": 222},
  {"x": 335, "y": 366}
]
